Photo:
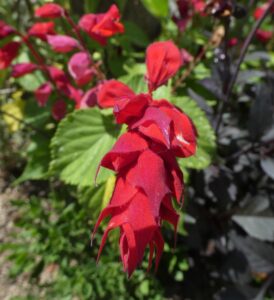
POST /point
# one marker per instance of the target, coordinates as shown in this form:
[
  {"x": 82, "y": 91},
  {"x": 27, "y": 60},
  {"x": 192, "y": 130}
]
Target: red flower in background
[
  {"x": 22, "y": 69},
  {"x": 41, "y": 30},
  {"x": 259, "y": 11},
  {"x": 59, "y": 110},
  {"x": 264, "y": 36},
  {"x": 5, "y": 30},
  {"x": 50, "y": 10},
  {"x": 8, "y": 53},
  {"x": 148, "y": 175},
  {"x": 102, "y": 26}
]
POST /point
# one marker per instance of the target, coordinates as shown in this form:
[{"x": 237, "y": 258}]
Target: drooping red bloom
[
  {"x": 144, "y": 158},
  {"x": 5, "y": 30},
  {"x": 163, "y": 60},
  {"x": 264, "y": 36},
  {"x": 80, "y": 69},
  {"x": 8, "y": 53},
  {"x": 22, "y": 69},
  {"x": 41, "y": 30},
  {"x": 89, "y": 99},
  {"x": 59, "y": 110},
  {"x": 62, "y": 43},
  {"x": 49, "y": 10},
  {"x": 42, "y": 94},
  {"x": 102, "y": 26}
]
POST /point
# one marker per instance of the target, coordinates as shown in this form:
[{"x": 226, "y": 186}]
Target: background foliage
[{"x": 225, "y": 246}]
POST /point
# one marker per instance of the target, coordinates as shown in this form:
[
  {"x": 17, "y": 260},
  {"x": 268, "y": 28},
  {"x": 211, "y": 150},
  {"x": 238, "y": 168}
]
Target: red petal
[
  {"x": 129, "y": 108},
  {"x": 41, "y": 30},
  {"x": 59, "y": 110},
  {"x": 154, "y": 124},
  {"x": 111, "y": 91},
  {"x": 22, "y": 69},
  {"x": 8, "y": 53},
  {"x": 102, "y": 26},
  {"x": 183, "y": 131},
  {"x": 109, "y": 24},
  {"x": 5, "y": 30},
  {"x": 62, "y": 43},
  {"x": 79, "y": 67},
  {"x": 168, "y": 213},
  {"x": 125, "y": 151},
  {"x": 163, "y": 60},
  {"x": 49, "y": 10},
  {"x": 42, "y": 93},
  {"x": 149, "y": 174},
  {"x": 89, "y": 99}
]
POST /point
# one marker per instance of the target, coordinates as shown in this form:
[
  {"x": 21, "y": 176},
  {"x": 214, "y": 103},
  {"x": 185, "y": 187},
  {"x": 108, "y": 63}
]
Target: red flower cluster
[
  {"x": 81, "y": 68},
  {"x": 144, "y": 158},
  {"x": 263, "y": 36}
]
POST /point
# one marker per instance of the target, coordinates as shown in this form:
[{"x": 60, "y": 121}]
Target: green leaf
[
  {"x": 38, "y": 155},
  {"x": 79, "y": 144},
  {"x": 157, "y": 8},
  {"x": 206, "y": 136},
  {"x": 135, "y": 34},
  {"x": 135, "y": 78}
]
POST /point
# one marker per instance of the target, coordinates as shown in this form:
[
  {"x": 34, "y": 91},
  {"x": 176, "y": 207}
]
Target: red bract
[
  {"x": 5, "y": 30},
  {"x": 22, "y": 69},
  {"x": 112, "y": 90},
  {"x": 42, "y": 93},
  {"x": 79, "y": 67},
  {"x": 59, "y": 110},
  {"x": 102, "y": 26},
  {"x": 144, "y": 158},
  {"x": 62, "y": 43},
  {"x": 41, "y": 30},
  {"x": 49, "y": 10},
  {"x": 89, "y": 99},
  {"x": 8, "y": 53},
  {"x": 259, "y": 11},
  {"x": 163, "y": 60}
]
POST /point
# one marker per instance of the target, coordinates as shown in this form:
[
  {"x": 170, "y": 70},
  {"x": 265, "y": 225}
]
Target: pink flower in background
[
  {"x": 80, "y": 69},
  {"x": 5, "y": 30},
  {"x": 62, "y": 43},
  {"x": 22, "y": 69}
]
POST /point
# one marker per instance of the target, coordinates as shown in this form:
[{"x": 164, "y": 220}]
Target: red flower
[
  {"x": 259, "y": 11},
  {"x": 79, "y": 67},
  {"x": 233, "y": 42},
  {"x": 102, "y": 26},
  {"x": 8, "y": 53},
  {"x": 5, "y": 30},
  {"x": 112, "y": 90},
  {"x": 42, "y": 93},
  {"x": 49, "y": 10},
  {"x": 144, "y": 158},
  {"x": 264, "y": 36},
  {"x": 41, "y": 30},
  {"x": 62, "y": 43},
  {"x": 22, "y": 69},
  {"x": 89, "y": 99},
  {"x": 59, "y": 110},
  {"x": 163, "y": 60}
]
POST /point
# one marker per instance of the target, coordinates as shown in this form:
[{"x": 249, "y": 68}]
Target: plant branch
[{"x": 238, "y": 65}]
